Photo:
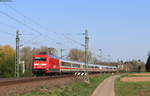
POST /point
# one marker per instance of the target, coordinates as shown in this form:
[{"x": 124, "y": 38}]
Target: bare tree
[
  {"x": 26, "y": 56},
  {"x": 46, "y": 50},
  {"x": 79, "y": 55}
]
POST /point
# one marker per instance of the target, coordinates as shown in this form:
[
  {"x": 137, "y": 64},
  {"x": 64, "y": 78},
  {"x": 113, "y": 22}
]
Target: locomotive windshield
[{"x": 39, "y": 59}]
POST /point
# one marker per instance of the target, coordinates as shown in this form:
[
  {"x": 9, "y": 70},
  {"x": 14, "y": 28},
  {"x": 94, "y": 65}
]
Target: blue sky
[{"x": 119, "y": 27}]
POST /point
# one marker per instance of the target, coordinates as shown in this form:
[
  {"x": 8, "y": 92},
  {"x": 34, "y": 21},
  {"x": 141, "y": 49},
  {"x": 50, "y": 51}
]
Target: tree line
[{"x": 7, "y": 60}]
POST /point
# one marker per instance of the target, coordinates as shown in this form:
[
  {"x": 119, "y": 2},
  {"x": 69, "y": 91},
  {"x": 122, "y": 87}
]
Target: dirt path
[{"x": 106, "y": 88}]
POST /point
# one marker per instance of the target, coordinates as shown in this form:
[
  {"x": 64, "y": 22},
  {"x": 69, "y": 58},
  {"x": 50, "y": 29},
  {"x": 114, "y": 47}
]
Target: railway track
[
  {"x": 15, "y": 86},
  {"x": 13, "y": 81}
]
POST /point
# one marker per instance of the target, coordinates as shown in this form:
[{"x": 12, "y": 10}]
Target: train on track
[{"x": 48, "y": 64}]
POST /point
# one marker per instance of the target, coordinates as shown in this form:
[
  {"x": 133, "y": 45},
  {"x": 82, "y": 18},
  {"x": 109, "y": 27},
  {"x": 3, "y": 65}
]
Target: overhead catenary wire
[
  {"x": 27, "y": 26},
  {"x": 8, "y": 25},
  {"x": 29, "y": 19},
  {"x": 33, "y": 29},
  {"x": 72, "y": 40},
  {"x": 26, "y": 17},
  {"x": 68, "y": 38},
  {"x": 29, "y": 42},
  {"x": 21, "y": 14},
  {"x": 11, "y": 17},
  {"x": 8, "y": 33}
]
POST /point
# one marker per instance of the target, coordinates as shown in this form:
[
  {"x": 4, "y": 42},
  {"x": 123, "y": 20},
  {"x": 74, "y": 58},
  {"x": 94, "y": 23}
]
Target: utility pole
[
  {"x": 49, "y": 51},
  {"x": 17, "y": 55},
  {"x": 86, "y": 53},
  {"x": 61, "y": 51},
  {"x": 100, "y": 55}
]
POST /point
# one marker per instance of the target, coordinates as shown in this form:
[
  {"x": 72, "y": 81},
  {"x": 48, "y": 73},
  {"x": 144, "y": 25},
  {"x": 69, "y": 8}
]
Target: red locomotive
[{"x": 48, "y": 64}]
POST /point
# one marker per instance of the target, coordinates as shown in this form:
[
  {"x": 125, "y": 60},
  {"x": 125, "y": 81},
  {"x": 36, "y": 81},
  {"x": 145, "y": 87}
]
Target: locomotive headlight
[
  {"x": 40, "y": 64},
  {"x": 36, "y": 64},
  {"x": 43, "y": 64}
]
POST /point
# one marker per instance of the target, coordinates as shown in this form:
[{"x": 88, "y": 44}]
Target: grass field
[
  {"x": 132, "y": 88},
  {"x": 75, "y": 89}
]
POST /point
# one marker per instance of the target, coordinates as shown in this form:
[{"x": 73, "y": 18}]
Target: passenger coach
[{"x": 48, "y": 64}]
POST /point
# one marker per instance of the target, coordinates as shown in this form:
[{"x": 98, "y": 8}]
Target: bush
[
  {"x": 27, "y": 73},
  {"x": 7, "y": 67}
]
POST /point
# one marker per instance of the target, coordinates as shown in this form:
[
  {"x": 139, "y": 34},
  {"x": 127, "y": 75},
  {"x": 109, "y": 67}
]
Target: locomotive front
[{"x": 40, "y": 64}]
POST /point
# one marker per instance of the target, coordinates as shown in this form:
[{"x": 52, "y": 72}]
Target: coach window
[
  {"x": 62, "y": 63},
  {"x": 84, "y": 66},
  {"x": 73, "y": 65},
  {"x": 76, "y": 65},
  {"x": 65, "y": 64}
]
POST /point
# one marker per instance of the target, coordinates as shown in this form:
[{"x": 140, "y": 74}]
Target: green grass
[
  {"x": 137, "y": 76},
  {"x": 75, "y": 89},
  {"x": 131, "y": 75},
  {"x": 132, "y": 88}
]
